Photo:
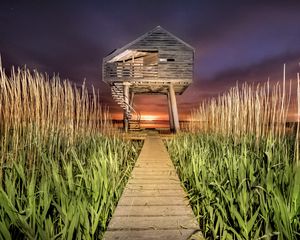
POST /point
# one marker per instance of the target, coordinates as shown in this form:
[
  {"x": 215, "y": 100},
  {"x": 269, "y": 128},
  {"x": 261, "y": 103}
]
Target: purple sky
[{"x": 234, "y": 40}]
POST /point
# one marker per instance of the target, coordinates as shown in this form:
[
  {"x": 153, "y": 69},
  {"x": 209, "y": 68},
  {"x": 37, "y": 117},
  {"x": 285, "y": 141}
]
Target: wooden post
[
  {"x": 131, "y": 99},
  {"x": 171, "y": 120},
  {"x": 174, "y": 107},
  {"x": 126, "y": 110}
]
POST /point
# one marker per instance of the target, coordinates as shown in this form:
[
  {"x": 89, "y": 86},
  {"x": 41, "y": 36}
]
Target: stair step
[{"x": 117, "y": 92}]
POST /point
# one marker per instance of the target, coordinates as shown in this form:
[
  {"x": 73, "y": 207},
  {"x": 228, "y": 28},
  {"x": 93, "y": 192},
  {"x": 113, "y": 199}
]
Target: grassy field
[
  {"x": 240, "y": 165},
  {"x": 63, "y": 166}
]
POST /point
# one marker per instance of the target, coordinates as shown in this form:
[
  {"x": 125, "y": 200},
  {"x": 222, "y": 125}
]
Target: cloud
[{"x": 233, "y": 41}]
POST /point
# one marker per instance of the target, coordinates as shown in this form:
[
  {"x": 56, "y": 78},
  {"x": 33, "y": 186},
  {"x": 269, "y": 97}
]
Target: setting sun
[{"x": 149, "y": 117}]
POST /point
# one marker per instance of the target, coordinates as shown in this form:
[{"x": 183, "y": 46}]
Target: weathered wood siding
[
  {"x": 175, "y": 60},
  {"x": 180, "y": 68},
  {"x": 169, "y": 48}
]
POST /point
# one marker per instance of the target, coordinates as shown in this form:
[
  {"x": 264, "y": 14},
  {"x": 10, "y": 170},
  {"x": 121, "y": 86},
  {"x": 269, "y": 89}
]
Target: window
[{"x": 167, "y": 60}]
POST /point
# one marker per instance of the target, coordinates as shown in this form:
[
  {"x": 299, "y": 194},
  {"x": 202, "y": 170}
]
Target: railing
[
  {"x": 130, "y": 70},
  {"x": 134, "y": 115},
  {"x": 123, "y": 101}
]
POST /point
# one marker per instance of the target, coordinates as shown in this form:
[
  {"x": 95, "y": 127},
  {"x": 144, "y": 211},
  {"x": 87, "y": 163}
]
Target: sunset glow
[
  {"x": 237, "y": 49},
  {"x": 139, "y": 119},
  {"x": 149, "y": 118}
]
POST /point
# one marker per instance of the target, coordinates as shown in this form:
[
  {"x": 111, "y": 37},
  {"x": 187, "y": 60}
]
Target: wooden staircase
[
  {"x": 134, "y": 125},
  {"x": 133, "y": 116}
]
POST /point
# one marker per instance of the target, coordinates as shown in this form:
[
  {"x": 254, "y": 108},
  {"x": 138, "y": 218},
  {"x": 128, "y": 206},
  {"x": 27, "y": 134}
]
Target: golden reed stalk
[
  {"x": 35, "y": 108},
  {"x": 259, "y": 110},
  {"x": 297, "y": 147}
]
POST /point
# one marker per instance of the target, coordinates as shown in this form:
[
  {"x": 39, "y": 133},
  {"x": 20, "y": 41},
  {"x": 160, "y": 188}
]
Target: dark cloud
[{"x": 234, "y": 40}]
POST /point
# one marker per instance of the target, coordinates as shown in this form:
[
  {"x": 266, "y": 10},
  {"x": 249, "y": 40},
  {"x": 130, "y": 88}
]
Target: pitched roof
[{"x": 156, "y": 29}]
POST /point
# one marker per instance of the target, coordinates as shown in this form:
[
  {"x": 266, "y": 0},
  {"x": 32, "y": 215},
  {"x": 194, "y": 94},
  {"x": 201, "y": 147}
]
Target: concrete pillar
[
  {"x": 174, "y": 107},
  {"x": 171, "y": 120},
  {"x": 126, "y": 110}
]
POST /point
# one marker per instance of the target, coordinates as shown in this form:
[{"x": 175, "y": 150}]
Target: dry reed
[
  {"x": 35, "y": 108},
  {"x": 259, "y": 110},
  {"x": 240, "y": 166}
]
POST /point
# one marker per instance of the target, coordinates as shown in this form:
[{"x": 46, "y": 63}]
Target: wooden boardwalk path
[{"x": 153, "y": 204}]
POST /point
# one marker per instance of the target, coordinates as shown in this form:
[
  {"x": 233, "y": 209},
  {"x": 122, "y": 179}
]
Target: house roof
[{"x": 156, "y": 29}]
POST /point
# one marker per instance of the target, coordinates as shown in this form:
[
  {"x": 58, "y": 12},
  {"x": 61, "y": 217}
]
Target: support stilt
[
  {"x": 174, "y": 107},
  {"x": 171, "y": 120},
  {"x": 131, "y": 99},
  {"x": 126, "y": 110}
]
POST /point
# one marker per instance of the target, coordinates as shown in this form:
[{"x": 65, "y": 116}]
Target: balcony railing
[{"x": 130, "y": 70}]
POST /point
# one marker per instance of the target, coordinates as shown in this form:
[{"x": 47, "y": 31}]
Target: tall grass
[
  {"x": 33, "y": 105},
  {"x": 63, "y": 167},
  {"x": 259, "y": 110},
  {"x": 240, "y": 166}
]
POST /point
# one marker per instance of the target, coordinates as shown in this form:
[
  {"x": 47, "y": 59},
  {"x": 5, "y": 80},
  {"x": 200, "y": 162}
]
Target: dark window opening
[{"x": 170, "y": 60}]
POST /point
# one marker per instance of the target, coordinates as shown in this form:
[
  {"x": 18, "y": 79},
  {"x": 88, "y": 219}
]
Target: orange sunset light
[{"x": 149, "y": 117}]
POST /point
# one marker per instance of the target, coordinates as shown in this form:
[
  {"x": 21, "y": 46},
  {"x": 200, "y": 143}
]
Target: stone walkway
[{"x": 153, "y": 204}]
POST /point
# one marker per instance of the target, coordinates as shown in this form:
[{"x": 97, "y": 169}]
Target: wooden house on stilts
[{"x": 155, "y": 63}]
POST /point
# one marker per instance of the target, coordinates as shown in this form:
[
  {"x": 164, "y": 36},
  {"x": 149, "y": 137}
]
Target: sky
[{"x": 234, "y": 41}]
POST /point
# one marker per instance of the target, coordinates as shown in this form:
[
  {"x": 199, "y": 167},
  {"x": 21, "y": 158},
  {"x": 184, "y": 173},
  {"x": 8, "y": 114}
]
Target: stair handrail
[{"x": 136, "y": 113}]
